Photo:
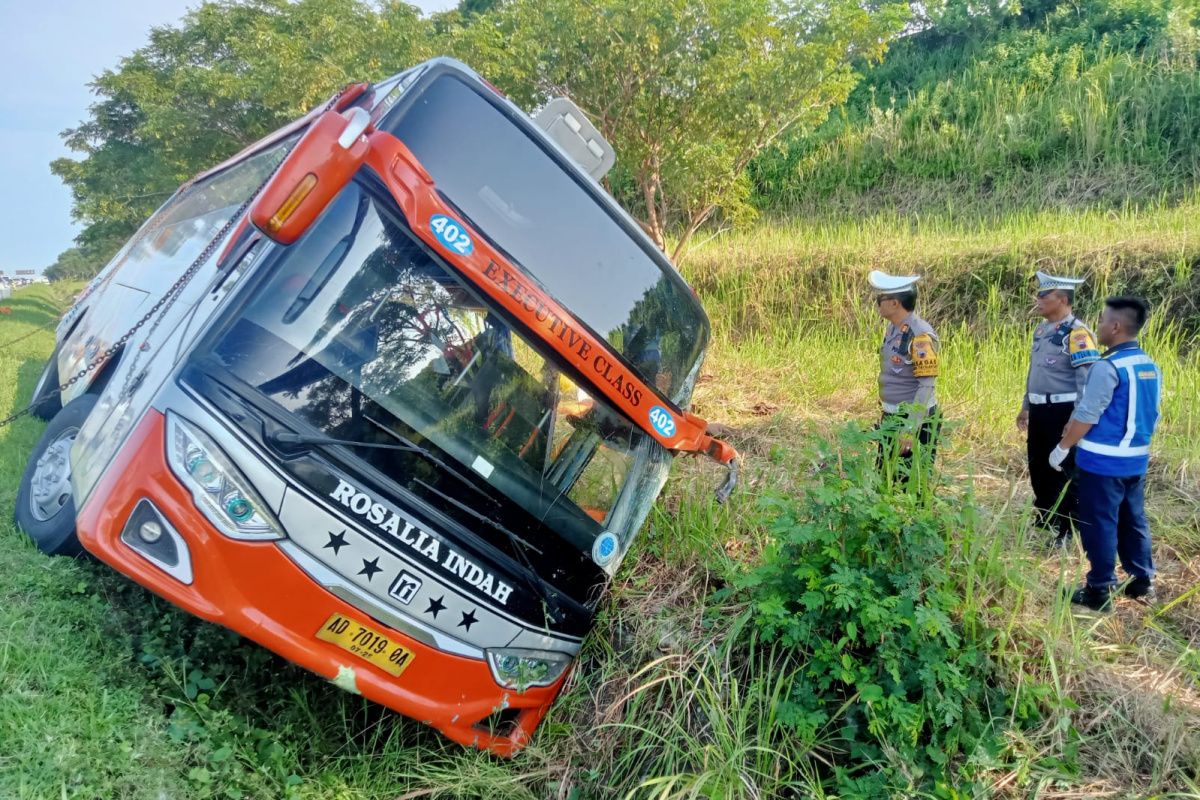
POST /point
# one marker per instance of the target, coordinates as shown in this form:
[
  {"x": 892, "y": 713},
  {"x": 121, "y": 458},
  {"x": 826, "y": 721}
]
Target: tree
[
  {"x": 225, "y": 76},
  {"x": 470, "y": 8},
  {"x": 687, "y": 91},
  {"x": 75, "y": 263},
  {"x": 962, "y": 20}
]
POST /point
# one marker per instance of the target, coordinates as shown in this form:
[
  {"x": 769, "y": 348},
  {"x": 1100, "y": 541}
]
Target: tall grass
[
  {"x": 705, "y": 723},
  {"x": 798, "y": 272},
  {"x": 792, "y": 313},
  {"x": 1090, "y": 105},
  {"x": 1124, "y": 116},
  {"x": 795, "y": 352}
]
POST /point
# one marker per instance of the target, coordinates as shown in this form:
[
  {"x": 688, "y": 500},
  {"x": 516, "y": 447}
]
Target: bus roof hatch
[{"x": 569, "y": 127}]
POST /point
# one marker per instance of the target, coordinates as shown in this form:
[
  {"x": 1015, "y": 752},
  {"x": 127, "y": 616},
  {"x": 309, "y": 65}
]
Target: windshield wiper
[
  {"x": 533, "y": 579},
  {"x": 287, "y": 437},
  {"x": 542, "y": 587},
  {"x": 484, "y": 518}
]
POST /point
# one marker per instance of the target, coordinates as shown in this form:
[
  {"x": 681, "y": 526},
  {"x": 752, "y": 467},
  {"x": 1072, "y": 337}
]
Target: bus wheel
[
  {"x": 46, "y": 400},
  {"x": 45, "y": 508}
]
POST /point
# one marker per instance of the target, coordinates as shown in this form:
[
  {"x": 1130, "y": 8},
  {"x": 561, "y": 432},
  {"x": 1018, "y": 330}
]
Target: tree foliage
[
  {"x": 687, "y": 91},
  {"x": 196, "y": 93},
  {"x": 962, "y": 19},
  {"x": 75, "y": 263}
]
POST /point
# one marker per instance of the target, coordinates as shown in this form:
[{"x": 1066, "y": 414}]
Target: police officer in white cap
[
  {"x": 1063, "y": 351},
  {"x": 908, "y": 363}
]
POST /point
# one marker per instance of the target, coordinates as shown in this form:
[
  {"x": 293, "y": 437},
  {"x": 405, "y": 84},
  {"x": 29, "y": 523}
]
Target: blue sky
[{"x": 51, "y": 50}]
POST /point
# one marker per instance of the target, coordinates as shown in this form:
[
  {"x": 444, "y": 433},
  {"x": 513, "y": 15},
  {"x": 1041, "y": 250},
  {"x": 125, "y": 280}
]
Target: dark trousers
[
  {"x": 892, "y": 426},
  {"x": 1054, "y": 493},
  {"x": 1112, "y": 523}
]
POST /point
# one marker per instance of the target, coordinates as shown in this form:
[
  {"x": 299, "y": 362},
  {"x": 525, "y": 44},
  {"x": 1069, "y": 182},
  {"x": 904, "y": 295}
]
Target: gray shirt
[
  {"x": 1060, "y": 357},
  {"x": 908, "y": 363},
  {"x": 1097, "y": 394}
]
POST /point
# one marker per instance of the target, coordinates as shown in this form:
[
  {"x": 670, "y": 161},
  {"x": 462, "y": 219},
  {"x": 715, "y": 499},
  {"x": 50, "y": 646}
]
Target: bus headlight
[
  {"x": 219, "y": 489},
  {"x": 520, "y": 669}
]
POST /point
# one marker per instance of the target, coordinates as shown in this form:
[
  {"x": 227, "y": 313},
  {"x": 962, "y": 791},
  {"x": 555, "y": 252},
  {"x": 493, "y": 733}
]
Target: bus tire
[
  {"x": 45, "y": 507},
  {"x": 47, "y": 401}
]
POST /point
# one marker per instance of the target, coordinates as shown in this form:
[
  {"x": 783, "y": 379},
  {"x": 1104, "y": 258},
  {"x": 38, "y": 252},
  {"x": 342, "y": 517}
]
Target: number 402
[{"x": 451, "y": 234}]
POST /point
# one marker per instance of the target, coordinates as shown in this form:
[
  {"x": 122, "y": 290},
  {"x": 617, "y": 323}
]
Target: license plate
[{"x": 366, "y": 643}]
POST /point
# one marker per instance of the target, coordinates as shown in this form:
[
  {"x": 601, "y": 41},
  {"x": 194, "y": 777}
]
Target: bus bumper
[{"x": 254, "y": 589}]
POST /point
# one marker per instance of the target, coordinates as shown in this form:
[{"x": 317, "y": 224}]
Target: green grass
[
  {"x": 106, "y": 691},
  {"x": 794, "y": 298},
  {"x": 73, "y": 716},
  {"x": 795, "y": 351},
  {"x": 1062, "y": 105},
  {"x": 1067, "y": 144}
]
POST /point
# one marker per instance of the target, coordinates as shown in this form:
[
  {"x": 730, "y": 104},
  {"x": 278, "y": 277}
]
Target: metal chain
[
  {"x": 177, "y": 289},
  {"x": 164, "y": 303},
  {"x": 25, "y": 336},
  {"x": 169, "y": 297},
  {"x": 143, "y": 233},
  {"x": 96, "y": 285},
  {"x": 167, "y": 300}
]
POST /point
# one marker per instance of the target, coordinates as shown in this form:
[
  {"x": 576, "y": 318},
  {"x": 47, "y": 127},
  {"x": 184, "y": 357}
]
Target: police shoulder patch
[
  {"x": 923, "y": 352},
  {"x": 1081, "y": 346}
]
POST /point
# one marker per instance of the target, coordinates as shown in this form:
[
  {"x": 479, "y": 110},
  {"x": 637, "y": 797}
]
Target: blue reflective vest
[{"x": 1118, "y": 445}]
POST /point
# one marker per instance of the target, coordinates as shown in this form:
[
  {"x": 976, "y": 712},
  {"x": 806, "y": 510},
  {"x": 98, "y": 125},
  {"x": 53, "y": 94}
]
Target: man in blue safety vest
[{"x": 1111, "y": 427}]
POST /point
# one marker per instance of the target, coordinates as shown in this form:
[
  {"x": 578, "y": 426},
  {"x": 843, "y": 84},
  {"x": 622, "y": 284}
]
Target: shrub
[{"x": 861, "y": 581}]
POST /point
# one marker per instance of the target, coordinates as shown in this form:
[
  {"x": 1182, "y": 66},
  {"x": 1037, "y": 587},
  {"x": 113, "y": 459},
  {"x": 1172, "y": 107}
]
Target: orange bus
[{"x": 389, "y": 393}]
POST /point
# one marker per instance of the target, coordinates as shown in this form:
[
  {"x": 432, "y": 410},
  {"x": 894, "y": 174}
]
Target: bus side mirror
[{"x": 319, "y": 166}]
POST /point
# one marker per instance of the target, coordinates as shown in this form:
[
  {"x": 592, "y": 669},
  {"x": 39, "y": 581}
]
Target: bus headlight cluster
[
  {"x": 520, "y": 669},
  {"x": 219, "y": 489}
]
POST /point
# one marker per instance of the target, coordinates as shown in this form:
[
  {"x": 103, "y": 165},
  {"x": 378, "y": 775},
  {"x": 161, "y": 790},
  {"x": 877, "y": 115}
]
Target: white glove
[{"x": 1057, "y": 456}]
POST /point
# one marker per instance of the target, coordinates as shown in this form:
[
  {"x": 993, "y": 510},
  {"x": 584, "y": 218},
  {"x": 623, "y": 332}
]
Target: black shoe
[
  {"x": 1142, "y": 590},
  {"x": 1094, "y": 597}
]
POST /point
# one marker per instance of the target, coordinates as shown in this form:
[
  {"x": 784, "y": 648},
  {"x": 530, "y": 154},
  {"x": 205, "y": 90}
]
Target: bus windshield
[
  {"x": 365, "y": 336},
  {"x": 516, "y": 194}
]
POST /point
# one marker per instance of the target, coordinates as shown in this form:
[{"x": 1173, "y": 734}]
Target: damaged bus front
[{"x": 407, "y": 383}]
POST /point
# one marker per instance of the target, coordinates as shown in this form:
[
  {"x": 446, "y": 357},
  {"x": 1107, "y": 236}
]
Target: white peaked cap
[
  {"x": 892, "y": 284},
  {"x": 1054, "y": 282}
]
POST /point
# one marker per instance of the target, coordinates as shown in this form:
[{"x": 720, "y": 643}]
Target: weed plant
[{"x": 863, "y": 583}]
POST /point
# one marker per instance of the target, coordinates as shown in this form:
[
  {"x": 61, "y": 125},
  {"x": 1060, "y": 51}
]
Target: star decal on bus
[
  {"x": 370, "y": 568},
  {"x": 436, "y": 606},
  {"x": 468, "y": 619},
  {"x": 336, "y": 542}
]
